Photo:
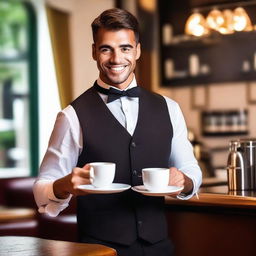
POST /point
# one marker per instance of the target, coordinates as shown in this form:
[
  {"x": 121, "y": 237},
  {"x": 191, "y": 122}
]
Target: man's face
[{"x": 116, "y": 53}]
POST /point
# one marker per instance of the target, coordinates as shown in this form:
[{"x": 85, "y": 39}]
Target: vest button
[
  {"x": 133, "y": 144},
  {"x": 134, "y": 172}
]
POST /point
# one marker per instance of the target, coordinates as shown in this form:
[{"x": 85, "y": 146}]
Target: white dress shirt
[{"x": 66, "y": 143}]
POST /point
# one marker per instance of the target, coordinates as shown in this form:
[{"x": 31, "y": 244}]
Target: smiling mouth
[{"x": 117, "y": 68}]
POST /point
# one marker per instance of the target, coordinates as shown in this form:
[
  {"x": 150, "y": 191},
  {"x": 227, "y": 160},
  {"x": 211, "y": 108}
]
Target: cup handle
[{"x": 91, "y": 174}]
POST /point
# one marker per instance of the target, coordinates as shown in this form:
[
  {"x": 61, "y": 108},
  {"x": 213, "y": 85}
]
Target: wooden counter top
[{"x": 218, "y": 196}]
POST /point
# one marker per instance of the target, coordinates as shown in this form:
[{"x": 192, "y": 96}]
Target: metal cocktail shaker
[
  {"x": 248, "y": 151},
  {"x": 241, "y": 165}
]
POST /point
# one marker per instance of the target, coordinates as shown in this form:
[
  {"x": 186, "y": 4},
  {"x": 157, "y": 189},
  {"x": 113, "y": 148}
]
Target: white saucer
[
  {"x": 168, "y": 191},
  {"x": 113, "y": 188}
]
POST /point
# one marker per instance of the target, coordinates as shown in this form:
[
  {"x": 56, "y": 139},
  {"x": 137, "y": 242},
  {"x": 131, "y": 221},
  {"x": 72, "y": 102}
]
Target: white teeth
[{"x": 117, "y": 68}]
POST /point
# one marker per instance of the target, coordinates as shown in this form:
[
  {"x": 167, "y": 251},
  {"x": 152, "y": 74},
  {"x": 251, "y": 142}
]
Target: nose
[{"x": 115, "y": 57}]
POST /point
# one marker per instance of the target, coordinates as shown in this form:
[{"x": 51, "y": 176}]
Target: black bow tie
[{"x": 114, "y": 94}]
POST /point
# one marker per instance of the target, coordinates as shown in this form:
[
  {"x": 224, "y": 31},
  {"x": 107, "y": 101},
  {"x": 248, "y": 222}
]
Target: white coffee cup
[
  {"x": 155, "y": 179},
  {"x": 102, "y": 174}
]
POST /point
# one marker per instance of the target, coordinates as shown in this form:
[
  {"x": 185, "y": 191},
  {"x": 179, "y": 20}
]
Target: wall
[
  {"x": 223, "y": 96},
  {"x": 83, "y": 12},
  {"x": 85, "y": 69}
]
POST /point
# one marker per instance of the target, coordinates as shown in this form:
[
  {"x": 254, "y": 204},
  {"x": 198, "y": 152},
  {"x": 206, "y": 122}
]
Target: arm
[
  {"x": 68, "y": 185},
  {"x": 58, "y": 165},
  {"x": 184, "y": 170},
  {"x": 178, "y": 178}
]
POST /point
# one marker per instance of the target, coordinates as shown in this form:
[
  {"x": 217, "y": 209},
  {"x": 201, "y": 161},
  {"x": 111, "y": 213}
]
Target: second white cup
[
  {"x": 155, "y": 179},
  {"x": 102, "y": 174}
]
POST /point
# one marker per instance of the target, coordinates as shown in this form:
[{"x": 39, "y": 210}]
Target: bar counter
[
  {"x": 219, "y": 196},
  {"x": 218, "y": 222}
]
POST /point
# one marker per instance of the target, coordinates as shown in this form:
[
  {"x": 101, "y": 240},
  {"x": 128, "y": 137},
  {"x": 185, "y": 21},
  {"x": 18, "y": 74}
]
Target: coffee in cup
[
  {"x": 102, "y": 174},
  {"x": 155, "y": 179}
]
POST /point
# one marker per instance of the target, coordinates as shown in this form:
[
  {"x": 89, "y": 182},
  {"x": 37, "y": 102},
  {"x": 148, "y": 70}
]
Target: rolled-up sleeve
[
  {"x": 60, "y": 158},
  {"x": 182, "y": 156}
]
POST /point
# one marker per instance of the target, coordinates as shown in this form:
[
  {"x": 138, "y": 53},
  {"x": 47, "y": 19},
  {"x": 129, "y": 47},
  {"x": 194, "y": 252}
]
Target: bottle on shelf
[
  {"x": 167, "y": 34},
  {"x": 194, "y": 65},
  {"x": 169, "y": 68}
]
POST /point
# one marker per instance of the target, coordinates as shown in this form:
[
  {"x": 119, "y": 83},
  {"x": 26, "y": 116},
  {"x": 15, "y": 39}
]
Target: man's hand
[
  {"x": 67, "y": 185},
  {"x": 178, "y": 178}
]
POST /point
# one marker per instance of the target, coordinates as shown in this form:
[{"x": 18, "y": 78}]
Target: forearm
[
  {"x": 46, "y": 200},
  {"x": 62, "y": 187}
]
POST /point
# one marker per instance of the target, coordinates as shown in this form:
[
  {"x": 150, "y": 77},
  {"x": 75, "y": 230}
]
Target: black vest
[{"x": 126, "y": 216}]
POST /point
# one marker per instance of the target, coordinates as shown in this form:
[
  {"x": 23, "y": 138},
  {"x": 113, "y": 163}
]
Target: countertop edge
[{"x": 214, "y": 199}]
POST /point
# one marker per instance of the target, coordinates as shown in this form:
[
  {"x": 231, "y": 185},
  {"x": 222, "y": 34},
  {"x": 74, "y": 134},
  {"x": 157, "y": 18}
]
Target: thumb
[
  {"x": 87, "y": 167},
  {"x": 173, "y": 170}
]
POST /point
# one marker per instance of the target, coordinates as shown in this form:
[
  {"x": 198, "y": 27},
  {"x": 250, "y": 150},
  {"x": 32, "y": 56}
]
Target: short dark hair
[{"x": 115, "y": 19}]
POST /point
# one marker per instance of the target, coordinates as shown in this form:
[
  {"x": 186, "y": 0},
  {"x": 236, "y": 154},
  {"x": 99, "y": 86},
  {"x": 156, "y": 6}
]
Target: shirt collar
[{"x": 106, "y": 86}]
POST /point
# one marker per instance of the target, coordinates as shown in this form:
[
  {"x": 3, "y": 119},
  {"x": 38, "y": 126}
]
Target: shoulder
[
  {"x": 68, "y": 112},
  {"x": 174, "y": 109},
  {"x": 68, "y": 117},
  {"x": 175, "y": 112},
  {"x": 83, "y": 97},
  {"x": 152, "y": 98},
  {"x": 170, "y": 102}
]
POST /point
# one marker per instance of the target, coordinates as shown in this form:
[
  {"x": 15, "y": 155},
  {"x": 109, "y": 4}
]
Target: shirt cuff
[
  {"x": 53, "y": 198},
  {"x": 54, "y": 205},
  {"x": 186, "y": 196}
]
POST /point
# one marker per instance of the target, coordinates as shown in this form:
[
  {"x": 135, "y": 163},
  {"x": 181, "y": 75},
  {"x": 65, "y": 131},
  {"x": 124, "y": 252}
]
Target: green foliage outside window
[{"x": 13, "y": 21}]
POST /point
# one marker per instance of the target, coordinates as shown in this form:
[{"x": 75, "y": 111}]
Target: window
[{"x": 18, "y": 89}]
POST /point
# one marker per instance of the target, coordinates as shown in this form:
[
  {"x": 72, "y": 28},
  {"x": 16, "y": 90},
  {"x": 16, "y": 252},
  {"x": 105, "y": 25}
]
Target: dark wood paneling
[{"x": 212, "y": 232}]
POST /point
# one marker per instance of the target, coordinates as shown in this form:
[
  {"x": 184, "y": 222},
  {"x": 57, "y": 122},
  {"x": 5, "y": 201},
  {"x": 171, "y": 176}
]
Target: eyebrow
[
  {"x": 120, "y": 46},
  {"x": 126, "y": 45},
  {"x": 104, "y": 46}
]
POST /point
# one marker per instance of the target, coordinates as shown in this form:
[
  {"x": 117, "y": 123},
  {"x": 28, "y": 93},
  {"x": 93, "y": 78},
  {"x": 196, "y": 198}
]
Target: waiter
[{"x": 117, "y": 121}]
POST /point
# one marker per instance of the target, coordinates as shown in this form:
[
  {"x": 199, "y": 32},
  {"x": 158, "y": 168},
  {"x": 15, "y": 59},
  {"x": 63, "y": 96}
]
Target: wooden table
[{"x": 31, "y": 246}]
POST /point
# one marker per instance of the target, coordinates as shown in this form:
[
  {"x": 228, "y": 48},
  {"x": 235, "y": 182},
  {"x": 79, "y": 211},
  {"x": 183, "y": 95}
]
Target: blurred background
[
  {"x": 201, "y": 53},
  {"x": 45, "y": 62}
]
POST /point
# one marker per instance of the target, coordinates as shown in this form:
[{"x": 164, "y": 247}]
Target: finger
[
  {"x": 177, "y": 180},
  {"x": 178, "y": 184},
  {"x": 174, "y": 172},
  {"x": 77, "y": 180},
  {"x": 80, "y": 172},
  {"x": 87, "y": 167}
]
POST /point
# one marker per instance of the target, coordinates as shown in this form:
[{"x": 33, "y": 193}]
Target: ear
[
  {"x": 138, "y": 51},
  {"x": 94, "y": 51}
]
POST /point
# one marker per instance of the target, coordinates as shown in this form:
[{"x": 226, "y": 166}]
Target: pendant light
[
  {"x": 196, "y": 25},
  {"x": 225, "y": 22},
  {"x": 227, "y": 26},
  {"x": 241, "y": 20},
  {"x": 215, "y": 19}
]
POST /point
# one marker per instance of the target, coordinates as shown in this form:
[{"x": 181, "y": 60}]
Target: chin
[{"x": 118, "y": 82}]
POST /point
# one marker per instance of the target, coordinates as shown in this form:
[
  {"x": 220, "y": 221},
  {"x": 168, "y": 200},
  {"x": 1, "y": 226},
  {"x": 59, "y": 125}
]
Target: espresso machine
[{"x": 241, "y": 166}]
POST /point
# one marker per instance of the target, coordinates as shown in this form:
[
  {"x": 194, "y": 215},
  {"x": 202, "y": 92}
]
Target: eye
[
  {"x": 104, "y": 50},
  {"x": 126, "y": 49}
]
